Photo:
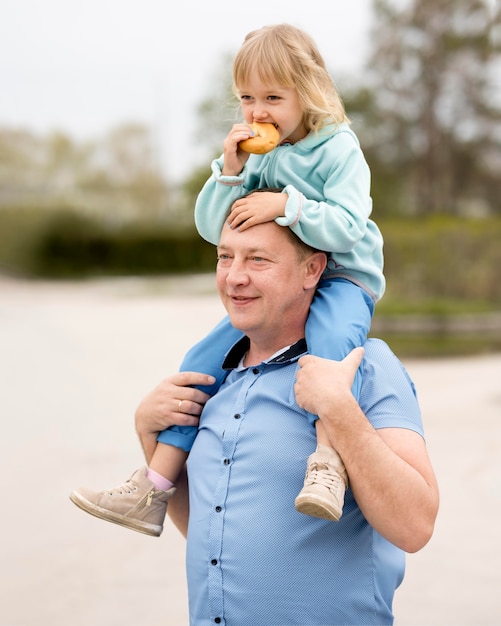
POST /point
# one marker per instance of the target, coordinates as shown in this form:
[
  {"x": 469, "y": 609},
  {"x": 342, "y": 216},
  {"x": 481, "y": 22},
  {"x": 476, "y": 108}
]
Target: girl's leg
[
  {"x": 207, "y": 357},
  {"x": 167, "y": 462},
  {"x": 339, "y": 320},
  {"x": 325, "y": 482},
  {"x": 141, "y": 502}
]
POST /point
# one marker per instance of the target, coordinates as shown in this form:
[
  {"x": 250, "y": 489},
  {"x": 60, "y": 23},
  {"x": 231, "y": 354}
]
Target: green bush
[
  {"x": 20, "y": 232},
  {"x": 444, "y": 258},
  {"x": 69, "y": 245},
  {"x": 432, "y": 259}
]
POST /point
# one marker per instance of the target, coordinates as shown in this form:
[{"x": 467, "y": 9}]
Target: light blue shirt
[{"x": 252, "y": 559}]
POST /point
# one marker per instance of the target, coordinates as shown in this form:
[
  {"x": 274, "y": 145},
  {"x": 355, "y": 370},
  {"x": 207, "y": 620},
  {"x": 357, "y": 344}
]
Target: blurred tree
[
  {"x": 127, "y": 153},
  {"x": 20, "y": 150},
  {"x": 117, "y": 176},
  {"x": 216, "y": 115},
  {"x": 190, "y": 189},
  {"x": 124, "y": 165},
  {"x": 63, "y": 162},
  {"x": 429, "y": 114},
  {"x": 221, "y": 110}
]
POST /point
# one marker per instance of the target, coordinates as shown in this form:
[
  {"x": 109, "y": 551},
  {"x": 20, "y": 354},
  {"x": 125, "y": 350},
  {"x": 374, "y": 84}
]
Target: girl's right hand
[{"x": 235, "y": 158}]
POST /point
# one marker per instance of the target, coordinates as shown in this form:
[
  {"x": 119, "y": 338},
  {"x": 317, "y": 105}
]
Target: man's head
[{"x": 266, "y": 279}]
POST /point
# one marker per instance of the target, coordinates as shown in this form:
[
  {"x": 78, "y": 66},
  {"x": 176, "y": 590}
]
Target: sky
[{"x": 87, "y": 67}]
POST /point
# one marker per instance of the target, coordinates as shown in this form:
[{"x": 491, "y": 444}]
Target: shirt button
[
  {"x": 237, "y": 416},
  {"x": 226, "y": 461},
  {"x": 217, "y": 620},
  {"x": 255, "y": 371},
  {"x": 213, "y": 562},
  {"x": 218, "y": 509}
]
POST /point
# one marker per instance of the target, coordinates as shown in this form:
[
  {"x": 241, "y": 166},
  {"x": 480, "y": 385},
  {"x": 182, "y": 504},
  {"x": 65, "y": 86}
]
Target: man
[{"x": 251, "y": 557}]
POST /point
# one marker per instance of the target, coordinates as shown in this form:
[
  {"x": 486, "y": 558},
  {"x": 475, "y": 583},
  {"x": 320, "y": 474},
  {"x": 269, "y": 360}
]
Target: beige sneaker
[
  {"x": 137, "y": 504},
  {"x": 324, "y": 485}
]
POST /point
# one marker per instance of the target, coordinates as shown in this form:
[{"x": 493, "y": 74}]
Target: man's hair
[
  {"x": 286, "y": 56},
  {"x": 303, "y": 249}
]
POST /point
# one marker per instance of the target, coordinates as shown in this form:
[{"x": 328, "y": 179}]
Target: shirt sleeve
[{"x": 388, "y": 396}]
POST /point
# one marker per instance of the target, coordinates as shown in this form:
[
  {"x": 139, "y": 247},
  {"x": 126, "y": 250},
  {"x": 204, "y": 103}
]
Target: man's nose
[{"x": 237, "y": 274}]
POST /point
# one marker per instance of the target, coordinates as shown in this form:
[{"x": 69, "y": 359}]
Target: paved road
[{"x": 74, "y": 362}]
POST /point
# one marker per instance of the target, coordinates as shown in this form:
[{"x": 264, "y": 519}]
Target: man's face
[{"x": 264, "y": 287}]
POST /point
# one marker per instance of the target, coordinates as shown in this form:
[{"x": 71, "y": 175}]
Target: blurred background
[{"x": 110, "y": 113}]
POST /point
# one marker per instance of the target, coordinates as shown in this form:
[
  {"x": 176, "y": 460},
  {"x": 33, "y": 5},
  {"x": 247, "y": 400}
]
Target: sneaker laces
[
  {"x": 129, "y": 486},
  {"x": 322, "y": 474}
]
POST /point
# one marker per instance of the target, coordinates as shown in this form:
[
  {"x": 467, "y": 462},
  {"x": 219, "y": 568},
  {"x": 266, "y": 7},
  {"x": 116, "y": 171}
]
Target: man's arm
[
  {"x": 174, "y": 401},
  {"x": 389, "y": 469}
]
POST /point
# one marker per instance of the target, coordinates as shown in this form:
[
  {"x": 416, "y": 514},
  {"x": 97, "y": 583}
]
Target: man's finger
[{"x": 354, "y": 358}]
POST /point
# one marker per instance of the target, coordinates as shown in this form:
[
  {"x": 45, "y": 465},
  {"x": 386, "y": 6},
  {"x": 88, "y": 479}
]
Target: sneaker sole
[
  {"x": 153, "y": 530},
  {"x": 317, "y": 507}
]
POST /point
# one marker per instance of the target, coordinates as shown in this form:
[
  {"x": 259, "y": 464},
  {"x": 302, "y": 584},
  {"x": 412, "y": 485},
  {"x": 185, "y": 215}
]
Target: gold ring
[{"x": 179, "y": 406}]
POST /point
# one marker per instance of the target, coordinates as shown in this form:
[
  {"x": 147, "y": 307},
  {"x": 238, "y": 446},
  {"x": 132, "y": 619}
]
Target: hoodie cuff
[
  {"x": 293, "y": 207},
  {"x": 217, "y": 166}
]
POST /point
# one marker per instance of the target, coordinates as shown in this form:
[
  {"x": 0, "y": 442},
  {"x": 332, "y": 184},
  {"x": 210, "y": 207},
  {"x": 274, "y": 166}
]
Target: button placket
[{"x": 229, "y": 442}]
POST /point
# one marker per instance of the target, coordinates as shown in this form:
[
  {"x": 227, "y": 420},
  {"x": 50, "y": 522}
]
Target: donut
[{"x": 265, "y": 139}]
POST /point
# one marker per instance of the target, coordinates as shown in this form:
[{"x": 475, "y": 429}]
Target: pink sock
[{"x": 158, "y": 480}]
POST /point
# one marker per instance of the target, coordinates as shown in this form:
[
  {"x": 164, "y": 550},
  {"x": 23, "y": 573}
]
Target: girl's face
[{"x": 277, "y": 105}]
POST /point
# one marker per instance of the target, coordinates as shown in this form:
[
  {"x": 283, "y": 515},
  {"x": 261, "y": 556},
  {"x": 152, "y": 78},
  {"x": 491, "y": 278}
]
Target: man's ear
[{"x": 315, "y": 265}]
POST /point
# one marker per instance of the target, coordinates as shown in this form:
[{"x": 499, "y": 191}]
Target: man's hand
[
  {"x": 322, "y": 384},
  {"x": 173, "y": 402}
]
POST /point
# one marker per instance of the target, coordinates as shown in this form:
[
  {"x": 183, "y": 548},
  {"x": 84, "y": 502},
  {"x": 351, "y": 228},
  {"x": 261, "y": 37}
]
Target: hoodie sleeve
[
  {"x": 339, "y": 221},
  {"x": 216, "y": 197}
]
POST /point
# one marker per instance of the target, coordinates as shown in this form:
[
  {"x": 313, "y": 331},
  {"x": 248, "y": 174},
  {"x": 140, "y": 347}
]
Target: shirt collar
[{"x": 236, "y": 353}]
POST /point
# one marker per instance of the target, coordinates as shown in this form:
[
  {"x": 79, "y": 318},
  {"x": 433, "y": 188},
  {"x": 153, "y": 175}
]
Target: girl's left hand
[{"x": 256, "y": 208}]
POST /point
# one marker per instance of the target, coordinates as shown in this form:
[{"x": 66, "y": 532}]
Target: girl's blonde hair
[{"x": 286, "y": 56}]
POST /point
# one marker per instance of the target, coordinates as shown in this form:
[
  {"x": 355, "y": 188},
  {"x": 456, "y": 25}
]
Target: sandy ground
[{"x": 74, "y": 362}]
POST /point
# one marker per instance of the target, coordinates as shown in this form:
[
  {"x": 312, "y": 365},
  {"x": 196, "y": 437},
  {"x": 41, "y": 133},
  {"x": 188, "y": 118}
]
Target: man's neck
[{"x": 258, "y": 353}]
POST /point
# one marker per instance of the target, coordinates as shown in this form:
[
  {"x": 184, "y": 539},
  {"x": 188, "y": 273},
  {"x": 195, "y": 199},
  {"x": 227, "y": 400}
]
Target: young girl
[{"x": 280, "y": 78}]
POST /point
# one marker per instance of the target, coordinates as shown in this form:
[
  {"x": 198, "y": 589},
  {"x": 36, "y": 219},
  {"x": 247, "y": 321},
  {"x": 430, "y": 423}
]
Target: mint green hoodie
[{"x": 327, "y": 180}]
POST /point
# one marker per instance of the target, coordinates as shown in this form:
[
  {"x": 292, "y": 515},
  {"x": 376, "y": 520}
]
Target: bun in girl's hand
[{"x": 266, "y": 138}]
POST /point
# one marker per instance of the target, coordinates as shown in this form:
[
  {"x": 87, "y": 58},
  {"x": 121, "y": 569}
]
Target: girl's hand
[
  {"x": 256, "y": 208},
  {"x": 234, "y": 158}
]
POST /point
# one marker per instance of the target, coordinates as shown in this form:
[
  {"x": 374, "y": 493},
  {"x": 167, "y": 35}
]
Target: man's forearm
[
  {"x": 389, "y": 470},
  {"x": 390, "y": 476}
]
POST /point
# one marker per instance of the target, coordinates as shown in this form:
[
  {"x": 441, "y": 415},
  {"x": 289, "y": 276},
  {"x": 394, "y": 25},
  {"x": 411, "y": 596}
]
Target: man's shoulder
[
  {"x": 381, "y": 363},
  {"x": 388, "y": 395},
  {"x": 379, "y": 357},
  {"x": 377, "y": 349}
]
